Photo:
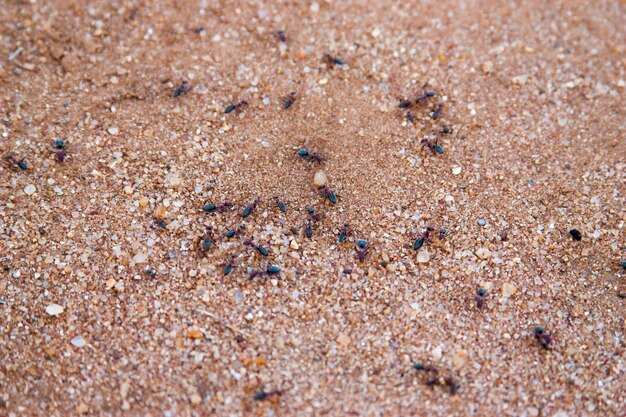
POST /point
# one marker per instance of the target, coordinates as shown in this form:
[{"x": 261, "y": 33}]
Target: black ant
[
  {"x": 232, "y": 107},
  {"x": 312, "y": 217},
  {"x": 426, "y": 237},
  {"x": 264, "y": 395},
  {"x": 433, "y": 377},
  {"x": 328, "y": 193},
  {"x": 220, "y": 208},
  {"x": 249, "y": 208},
  {"x": 480, "y": 297},
  {"x": 291, "y": 98},
  {"x": 281, "y": 35},
  {"x": 410, "y": 117},
  {"x": 542, "y": 337},
  {"x": 271, "y": 270},
  {"x": 228, "y": 268},
  {"x": 261, "y": 249},
  {"x": 232, "y": 232},
  {"x": 205, "y": 242},
  {"x": 183, "y": 88},
  {"x": 61, "y": 155},
  {"x": 311, "y": 156},
  {"x": 433, "y": 145},
  {"x": 362, "y": 249},
  {"x": 21, "y": 164},
  {"x": 422, "y": 98},
  {"x": 344, "y": 232},
  {"x": 437, "y": 111},
  {"x": 280, "y": 204},
  {"x": 446, "y": 130},
  {"x": 331, "y": 60},
  {"x": 405, "y": 104}
]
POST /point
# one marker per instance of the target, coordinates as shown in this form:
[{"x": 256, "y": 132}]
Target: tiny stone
[
  {"x": 483, "y": 253},
  {"x": 195, "y": 399},
  {"x": 508, "y": 289},
  {"x": 482, "y": 222},
  {"x": 344, "y": 340},
  {"x": 456, "y": 170},
  {"x": 29, "y": 189},
  {"x": 437, "y": 353},
  {"x": 54, "y": 309},
  {"x": 320, "y": 178},
  {"x": 79, "y": 341},
  {"x": 423, "y": 256},
  {"x": 487, "y": 67},
  {"x": 113, "y": 130}
]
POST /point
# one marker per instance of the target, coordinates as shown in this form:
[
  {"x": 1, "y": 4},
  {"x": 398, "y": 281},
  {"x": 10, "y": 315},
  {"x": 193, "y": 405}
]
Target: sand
[{"x": 110, "y": 307}]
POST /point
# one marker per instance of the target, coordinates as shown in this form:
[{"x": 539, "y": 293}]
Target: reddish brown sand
[{"x": 534, "y": 94}]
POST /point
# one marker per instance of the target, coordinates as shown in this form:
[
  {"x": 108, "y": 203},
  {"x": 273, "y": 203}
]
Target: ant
[
  {"x": 261, "y": 249},
  {"x": 232, "y": 107},
  {"x": 60, "y": 145},
  {"x": 362, "y": 249},
  {"x": 249, "y": 208},
  {"x": 232, "y": 232},
  {"x": 282, "y": 36},
  {"x": 220, "y": 208},
  {"x": 280, "y": 204},
  {"x": 21, "y": 164},
  {"x": 437, "y": 111},
  {"x": 183, "y": 88},
  {"x": 328, "y": 193},
  {"x": 205, "y": 242},
  {"x": 410, "y": 117},
  {"x": 435, "y": 379},
  {"x": 405, "y": 104},
  {"x": 291, "y": 98},
  {"x": 271, "y": 270},
  {"x": 311, "y": 156},
  {"x": 331, "y": 60},
  {"x": 344, "y": 232},
  {"x": 542, "y": 337},
  {"x": 446, "y": 130},
  {"x": 480, "y": 297},
  {"x": 427, "y": 237},
  {"x": 422, "y": 98},
  {"x": 313, "y": 217},
  {"x": 264, "y": 395},
  {"x": 433, "y": 145},
  {"x": 228, "y": 268}
]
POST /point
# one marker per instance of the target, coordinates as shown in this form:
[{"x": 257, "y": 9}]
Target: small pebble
[
  {"x": 483, "y": 253},
  {"x": 423, "y": 256},
  {"x": 29, "y": 189},
  {"x": 113, "y": 130},
  {"x": 482, "y": 222},
  {"x": 320, "y": 178},
  {"x": 508, "y": 289},
  {"x": 54, "y": 309},
  {"x": 456, "y": 170},
  {"x": 79, "y": 341}
]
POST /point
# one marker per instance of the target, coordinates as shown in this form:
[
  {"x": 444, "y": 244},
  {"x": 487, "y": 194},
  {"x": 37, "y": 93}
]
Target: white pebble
[
  {"x": 320, "y": 178},
  {"x": 456, "y": 170},
  {"x": 29, "y": 189},
  {"x": 79, "y": 341},
  {"x": 483, "y": 253},
  {"x": 54, "y": 309},
  {"x": 423, "y": 256},
  {"x": 113, "y": 130}
]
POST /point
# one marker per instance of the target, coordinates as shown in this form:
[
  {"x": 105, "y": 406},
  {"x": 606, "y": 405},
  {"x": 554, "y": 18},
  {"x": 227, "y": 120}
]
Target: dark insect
[
  {"x": 261, "y": 249},
  {"x": 150, "y": 272},
  {"x": 362, "y": 249},
  {"x": 281, "y": 35},
  {"x": 161, "y": 223},
  {"x": 61, "y": 155},
  {"x": 249, "y": 208},
  {"x": 263, "y": 395},
  {"x": 183, "y": 88},
  {"x": 311, "y": 156},
  {"x": 232, "y": 107},
  {"x": 205, "y": 243},
  {"x": 623, "y": 264},
  {"x": 576, "y": 235},
  {"x": 220, "y": 208},
  {"x": 198, "y": 30},
  {"x": 405, "y": 104},
  {"x": 228, "y": 268},
  {"x": 423, "y": 98},
  {"x": 271, "y": 270},
  {"x": 432, "y": 145},
  {"x": 437, "y": 111},
  {"x": 280, "y": 204},
  {"x": 410, "y": 117},
  {"x": 311, "y": 218},
  {"x": 327, "y": 193},
  {"x": 291, "y": 98},
  {"x": 480, "y": 297},
  {"x": 446, "y": 130},
  {"x": 542, "y": 337},
  {"x": 21, "y": 163},
  {"x": 343, "y": 232},
  {"x": 308, "y": 230},
  {"x": 424, "y": 239},
  {"x": 59, "y": 144},
  {"x": 432, "y": 378},
  {"x": 232, "y": 232},
  {"x": 331, "y": 60}
]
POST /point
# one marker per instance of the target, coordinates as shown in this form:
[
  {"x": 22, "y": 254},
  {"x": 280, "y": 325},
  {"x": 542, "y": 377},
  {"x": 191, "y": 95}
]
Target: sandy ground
[{"x": 108, "y": 305}]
